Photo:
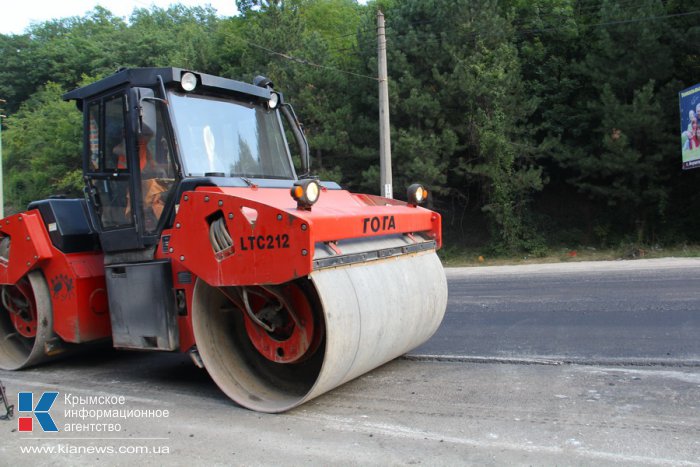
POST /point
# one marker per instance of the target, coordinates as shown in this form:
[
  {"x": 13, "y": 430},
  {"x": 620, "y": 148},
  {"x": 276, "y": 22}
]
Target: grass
[{"x": 453, "y": 256}]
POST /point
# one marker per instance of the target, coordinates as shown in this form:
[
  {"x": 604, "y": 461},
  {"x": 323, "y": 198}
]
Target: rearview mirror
[
  {"x": 147, "y": 111},
  {"x": 290, "y": 116}
]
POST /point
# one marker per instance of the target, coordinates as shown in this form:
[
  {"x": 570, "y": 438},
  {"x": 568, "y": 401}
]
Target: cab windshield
[{"x": 222, "y": 137}]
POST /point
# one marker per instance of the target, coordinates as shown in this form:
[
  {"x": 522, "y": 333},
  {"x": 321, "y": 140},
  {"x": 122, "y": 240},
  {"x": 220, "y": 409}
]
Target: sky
[{"x": 16, "y": 16}]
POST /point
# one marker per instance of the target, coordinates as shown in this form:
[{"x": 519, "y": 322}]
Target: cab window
[{"x": 107, "y": 163}]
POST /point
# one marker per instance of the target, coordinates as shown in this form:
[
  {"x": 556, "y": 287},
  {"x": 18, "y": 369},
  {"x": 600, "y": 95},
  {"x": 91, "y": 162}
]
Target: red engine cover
[{"x": 273, "y": 241}]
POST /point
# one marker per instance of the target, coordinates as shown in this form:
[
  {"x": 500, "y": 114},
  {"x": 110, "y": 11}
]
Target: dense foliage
[{"x": 535, "y": 123}]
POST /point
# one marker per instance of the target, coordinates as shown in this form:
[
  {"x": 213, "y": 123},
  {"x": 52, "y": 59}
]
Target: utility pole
[
  {"x": 2, "y": 188},
  {"x": 385, "y": 183}
]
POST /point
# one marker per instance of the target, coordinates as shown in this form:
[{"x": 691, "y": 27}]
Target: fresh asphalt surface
[
  {"x": 563, "y": 364},
  {"x": 628, "y": 311}
]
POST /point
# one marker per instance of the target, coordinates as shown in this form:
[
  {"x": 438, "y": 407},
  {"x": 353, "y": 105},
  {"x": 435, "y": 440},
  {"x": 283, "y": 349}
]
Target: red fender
[{"x": 76, "y": 280}]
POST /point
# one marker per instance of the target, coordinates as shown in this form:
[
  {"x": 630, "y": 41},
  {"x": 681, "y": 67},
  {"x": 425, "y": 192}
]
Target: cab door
[{"x": 106, "y": 167}]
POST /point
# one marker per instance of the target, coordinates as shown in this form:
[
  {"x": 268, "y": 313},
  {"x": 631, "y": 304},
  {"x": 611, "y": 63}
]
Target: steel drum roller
[
  {"x": 31, "y": 298},
  {"x": 372, "y": 313}
]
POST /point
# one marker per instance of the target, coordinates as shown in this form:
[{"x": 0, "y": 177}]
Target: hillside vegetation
[{"x": 539, "y": 126}]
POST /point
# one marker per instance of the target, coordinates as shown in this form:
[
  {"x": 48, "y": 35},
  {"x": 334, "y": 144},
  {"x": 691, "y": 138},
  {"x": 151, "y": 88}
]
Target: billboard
[{"x": 690, "y": 126}]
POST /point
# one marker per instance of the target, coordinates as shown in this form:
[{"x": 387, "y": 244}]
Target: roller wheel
[
  {"x": 362, "y": 316},
  {"x": 263, "y": 346},
  {"x": 279, "y": 322},
  {"x": 26, "y": 321},
  {"x": 19, "y": 301}
]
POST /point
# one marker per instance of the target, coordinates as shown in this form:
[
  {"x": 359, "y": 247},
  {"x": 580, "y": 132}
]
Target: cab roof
[{"x": 149, "y": 77}]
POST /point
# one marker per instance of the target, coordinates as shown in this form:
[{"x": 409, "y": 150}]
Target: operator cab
[{"x": 151, "y": 133}]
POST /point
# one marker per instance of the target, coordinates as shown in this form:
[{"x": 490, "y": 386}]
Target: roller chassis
[{"x": 279, "y": 300}]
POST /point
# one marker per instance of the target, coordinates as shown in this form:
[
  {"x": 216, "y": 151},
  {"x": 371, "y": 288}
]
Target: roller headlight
[
  {"x": 274, "y": 100},
  {"x": 306, "y": 193},
  {"x": 417, "y": 194},
  {"x": 188, "y": 81}
]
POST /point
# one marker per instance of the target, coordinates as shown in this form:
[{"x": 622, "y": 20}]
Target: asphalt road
[
  {"x": 633, "y": 312},
  {"x": 531, "y": 367}
]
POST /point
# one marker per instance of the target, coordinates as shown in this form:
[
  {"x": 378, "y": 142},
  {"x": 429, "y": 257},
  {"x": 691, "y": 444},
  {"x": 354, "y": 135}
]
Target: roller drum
[
  {"x": 18, "y": 351},
  {"x": 371, "y": 313},
  {"x": 376, "y": 312}
]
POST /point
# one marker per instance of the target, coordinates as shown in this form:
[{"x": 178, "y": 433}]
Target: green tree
[
  {"x": 616, "y": 148},
  {"x": 15, "y": 67},
  {"x": 504, "y": 108},
  {"x": 458, "y": 109},
  {"x": 41, "y": 147},
  {"x": 176, "y": 36},
  {"x": 302, "y": 46}
]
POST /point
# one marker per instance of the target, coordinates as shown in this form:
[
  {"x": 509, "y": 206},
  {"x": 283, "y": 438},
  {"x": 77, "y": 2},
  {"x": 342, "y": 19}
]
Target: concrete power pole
[{"x": 385, "y": 183}]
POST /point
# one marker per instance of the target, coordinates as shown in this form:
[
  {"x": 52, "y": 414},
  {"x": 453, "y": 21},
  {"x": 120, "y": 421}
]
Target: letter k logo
[{"x": 41, "y": 411}]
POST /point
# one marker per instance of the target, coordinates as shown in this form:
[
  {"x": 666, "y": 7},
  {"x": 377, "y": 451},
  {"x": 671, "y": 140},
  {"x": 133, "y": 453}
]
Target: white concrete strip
[
  {"x": 475, "y": 359},
  {"x": 577, "y": 267},
  {"x": 553, "y": 360}
]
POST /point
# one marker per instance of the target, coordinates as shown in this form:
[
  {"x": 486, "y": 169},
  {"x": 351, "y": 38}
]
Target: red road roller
[{"x": 196, "y": 234}]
